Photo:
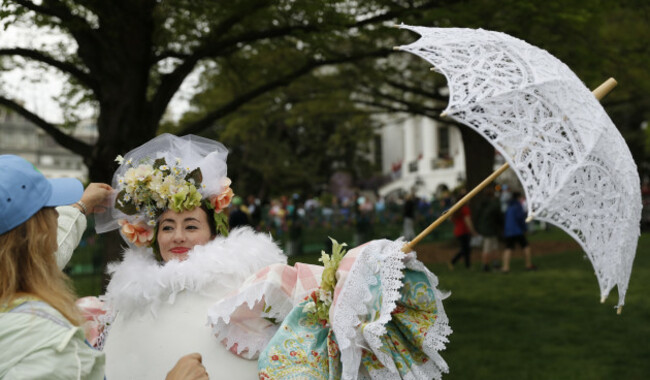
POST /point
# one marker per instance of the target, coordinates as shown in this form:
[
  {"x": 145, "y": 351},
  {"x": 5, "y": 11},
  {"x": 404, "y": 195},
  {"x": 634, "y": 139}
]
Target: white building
[
  {"x": 20, "y": 137},
  {"x": 421, "y": 155}
]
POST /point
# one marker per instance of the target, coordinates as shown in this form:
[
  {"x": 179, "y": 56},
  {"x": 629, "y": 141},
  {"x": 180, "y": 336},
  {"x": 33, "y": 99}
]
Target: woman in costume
[
  {"x": 40, "y": 326},
  {"x": 170, "y": 202}
]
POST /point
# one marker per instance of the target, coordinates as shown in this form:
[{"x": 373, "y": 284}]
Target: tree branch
[
  {"x": 56, "y": 9},
  {"x": 417, "y": 90},
  {"x": 171, "y": 82},
  {"x": 393, "y": 13},
  {"x": 67, "y": 141},
  {"x": 65, "y": 67},
  {"x": 212, "y": 47},
  {"x": 409, "y": 107},
  {"x": 234, "y": 104}
]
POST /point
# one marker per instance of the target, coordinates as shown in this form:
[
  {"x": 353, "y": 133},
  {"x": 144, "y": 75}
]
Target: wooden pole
[{"x": 599, "y": 92}]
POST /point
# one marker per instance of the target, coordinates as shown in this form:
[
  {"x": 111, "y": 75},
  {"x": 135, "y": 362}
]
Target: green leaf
[
  {"x": 159, "y": 162},
  {"x": 126, "y": 207},
  {"x": 196, "y": 176},
  {"x": 221, "y": 220}
]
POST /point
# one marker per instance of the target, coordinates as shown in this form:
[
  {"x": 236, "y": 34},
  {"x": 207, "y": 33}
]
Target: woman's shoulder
[
  {"x": 39, "y": 342},
  {"x": 28, "y": 307},
  {"x": 29, "y": 325}
]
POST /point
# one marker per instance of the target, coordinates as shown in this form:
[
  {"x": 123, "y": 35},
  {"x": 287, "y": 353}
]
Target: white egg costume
[{"x": 157, "y": 312}]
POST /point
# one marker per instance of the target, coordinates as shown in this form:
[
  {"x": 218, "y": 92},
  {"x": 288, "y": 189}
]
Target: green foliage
[
  {"x": 221, "y": 220},
  {"x": 282, "y": 82},
  {"x": 320, "y": 301}
]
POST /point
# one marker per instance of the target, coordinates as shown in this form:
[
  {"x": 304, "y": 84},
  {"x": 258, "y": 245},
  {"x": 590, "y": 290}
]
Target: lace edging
[
  {"x": 437, "y": 336},
  {"x": 225, "y": 330},
  {"x": 383, "y": 257}
]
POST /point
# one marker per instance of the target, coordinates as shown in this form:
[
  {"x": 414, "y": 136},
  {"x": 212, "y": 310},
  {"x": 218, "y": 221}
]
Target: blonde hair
[{"x": 28, "y": 265}]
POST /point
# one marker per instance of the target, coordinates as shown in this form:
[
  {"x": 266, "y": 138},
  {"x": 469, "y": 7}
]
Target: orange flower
[
  {"x": 221, "y": 201},
  {"x": 139, "y": 234}
]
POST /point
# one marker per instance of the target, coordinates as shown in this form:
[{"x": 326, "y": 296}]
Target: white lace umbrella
[{"x": 575, "y": 168}]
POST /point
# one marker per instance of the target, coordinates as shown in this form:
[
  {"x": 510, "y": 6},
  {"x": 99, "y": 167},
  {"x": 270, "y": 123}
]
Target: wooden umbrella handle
[
  {"x": 445, "y": 215},
  {"x": 599, "y": 92}
]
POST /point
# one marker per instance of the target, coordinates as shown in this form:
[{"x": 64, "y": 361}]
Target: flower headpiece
[{"x": 168, "y": 172}]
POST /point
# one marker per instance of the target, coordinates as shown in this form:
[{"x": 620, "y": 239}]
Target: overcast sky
[
  {"x": 26, "y": 84},
  {"x": 37, "y": 88}
]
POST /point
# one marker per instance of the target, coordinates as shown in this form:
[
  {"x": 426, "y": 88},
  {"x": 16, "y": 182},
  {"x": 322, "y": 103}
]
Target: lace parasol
[{"x": 575, "y": 168}]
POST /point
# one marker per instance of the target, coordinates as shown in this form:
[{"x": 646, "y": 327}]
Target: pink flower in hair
[
  {"x": 139, "y": 234},
  {"x": 222, "y": 200}
]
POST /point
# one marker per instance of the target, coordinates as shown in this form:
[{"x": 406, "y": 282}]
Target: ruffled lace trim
[
  {"x": 437, "y": 336},
  {"x": 140, "y": 283},
  {"x": 383, "y": 257},
  {"x": 386, "y": 259},
  {"x": 228, "y": 318}
]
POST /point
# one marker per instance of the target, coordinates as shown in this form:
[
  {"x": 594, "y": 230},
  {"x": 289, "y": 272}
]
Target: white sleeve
[
  {"x": 74, "y": 360},
  {"x": 72, "y": 224}
]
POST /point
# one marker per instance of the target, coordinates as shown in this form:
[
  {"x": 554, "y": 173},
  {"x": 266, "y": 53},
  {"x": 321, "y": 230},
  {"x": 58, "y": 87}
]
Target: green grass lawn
[{"x": 547, "y": 324}]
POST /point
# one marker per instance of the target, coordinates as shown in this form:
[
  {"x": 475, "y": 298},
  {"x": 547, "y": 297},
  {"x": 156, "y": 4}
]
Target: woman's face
[{"x": 178, "y": 233}]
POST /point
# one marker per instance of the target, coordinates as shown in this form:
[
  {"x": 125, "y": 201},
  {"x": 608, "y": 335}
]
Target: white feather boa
[{"x": 140, "y": 283}]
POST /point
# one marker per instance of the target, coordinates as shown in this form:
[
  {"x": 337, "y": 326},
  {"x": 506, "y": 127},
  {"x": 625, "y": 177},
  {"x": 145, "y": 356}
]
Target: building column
[
  {"x": 410, "y": 154},
  {"x": 429, "y": 144}
]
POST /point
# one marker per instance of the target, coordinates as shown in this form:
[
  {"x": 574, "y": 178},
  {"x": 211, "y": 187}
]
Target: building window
[
  {"x": 47, "y": 160},
  {"x": 443, "y": 142}
]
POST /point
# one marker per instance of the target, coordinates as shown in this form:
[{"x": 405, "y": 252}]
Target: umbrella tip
[
  {"x": 432, "y": 69},
  {"x": 397, "y": 26},
  {"x": 605, "y": 88},
  {"x": 444, "y": 114},
  {"x": 619, "y": 310},
  {"x": 397, "y": 48},
  {"x": 602, "y": 299}
]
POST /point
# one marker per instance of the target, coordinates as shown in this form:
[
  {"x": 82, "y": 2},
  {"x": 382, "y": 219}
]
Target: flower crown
[{"x": 149, "y": 189}]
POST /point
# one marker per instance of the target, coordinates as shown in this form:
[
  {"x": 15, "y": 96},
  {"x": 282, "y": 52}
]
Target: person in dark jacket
[
  {"x": 515, "y": 232},
  {"x": 237, "y": 216}
]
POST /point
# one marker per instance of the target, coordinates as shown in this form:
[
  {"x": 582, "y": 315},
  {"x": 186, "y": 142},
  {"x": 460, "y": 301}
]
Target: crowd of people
[
  {"x": 501, "y": 218},
  {"x": 497, "y": 227}
]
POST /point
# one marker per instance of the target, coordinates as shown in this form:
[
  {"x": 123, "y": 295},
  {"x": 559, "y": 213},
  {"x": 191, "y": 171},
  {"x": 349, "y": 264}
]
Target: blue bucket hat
[{"x": 24, "y": 191}]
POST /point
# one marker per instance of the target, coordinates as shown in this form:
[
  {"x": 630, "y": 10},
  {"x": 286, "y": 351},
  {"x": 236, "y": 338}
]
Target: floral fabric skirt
[{"x": 385, "y": 320}]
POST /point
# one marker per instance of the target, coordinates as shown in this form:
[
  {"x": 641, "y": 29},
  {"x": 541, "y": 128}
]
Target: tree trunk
[{"x": 479, "y": 163}]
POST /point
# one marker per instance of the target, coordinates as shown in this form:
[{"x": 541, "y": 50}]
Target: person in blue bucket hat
[
  {"x": 40, "y": 325},
  {"x": 24, "y": 191}
]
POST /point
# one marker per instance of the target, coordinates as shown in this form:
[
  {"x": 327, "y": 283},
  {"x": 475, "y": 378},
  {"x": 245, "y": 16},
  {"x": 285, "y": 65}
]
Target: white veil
[{"x": 192, "y": 152}]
